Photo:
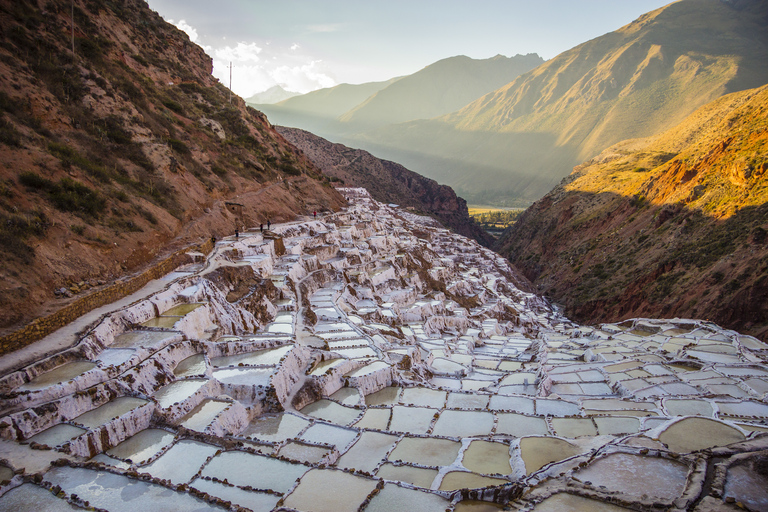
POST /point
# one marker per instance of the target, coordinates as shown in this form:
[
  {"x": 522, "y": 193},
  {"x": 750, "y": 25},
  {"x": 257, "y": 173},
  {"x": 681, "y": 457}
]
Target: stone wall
[{"x": 43, "y": 326}]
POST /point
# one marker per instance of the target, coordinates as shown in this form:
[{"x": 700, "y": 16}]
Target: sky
[{"x": 304, "y": 45}]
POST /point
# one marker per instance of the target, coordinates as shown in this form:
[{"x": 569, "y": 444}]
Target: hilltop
[
  {"x": 122, "y": 151},
  {"x": 639, "y": 80},
  {"x": 671, "y": 225},
  {"x": 388, "y": 182}
]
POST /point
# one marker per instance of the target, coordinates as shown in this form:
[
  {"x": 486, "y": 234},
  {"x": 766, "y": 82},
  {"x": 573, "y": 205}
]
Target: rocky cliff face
[
  {"x": 387, "y": 181},
  {"x": 673, "y": 225},
  {"x": 122, "y": 147}
]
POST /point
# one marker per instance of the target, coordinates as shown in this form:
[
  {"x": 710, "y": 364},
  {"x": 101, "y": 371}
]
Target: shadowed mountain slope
[
  {"x": 387, "y": 182},
  {"x": 672, "y": 225}
]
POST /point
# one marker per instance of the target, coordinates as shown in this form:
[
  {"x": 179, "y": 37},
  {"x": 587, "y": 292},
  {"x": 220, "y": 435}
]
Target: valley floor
[{"x": 372, "y": 360}]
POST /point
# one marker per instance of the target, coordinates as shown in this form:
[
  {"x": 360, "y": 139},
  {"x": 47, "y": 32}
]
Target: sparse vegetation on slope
[
  {"x": 673, "y": 225},
  {"x": 113, "y": 152}
]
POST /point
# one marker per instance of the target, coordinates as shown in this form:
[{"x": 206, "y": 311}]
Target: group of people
[{"x": 261, "y": 226}]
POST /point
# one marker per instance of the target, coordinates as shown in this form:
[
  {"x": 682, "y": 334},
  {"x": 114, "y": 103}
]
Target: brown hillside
[
  {"x": 125, "y": 149},
  {"x": 673, "y": 225}
]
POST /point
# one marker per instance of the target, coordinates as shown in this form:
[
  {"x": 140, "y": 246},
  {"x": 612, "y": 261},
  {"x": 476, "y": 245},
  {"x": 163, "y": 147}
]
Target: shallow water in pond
[
  {"x": 424, "y": 397},
  {"x": 58, "y": 375},
  {"x": 201, "y": 416},
  {"x": 357, "y": 353},
  {"x": 244, "y": 376},
  {"x": 270, "y": 356},
  {"x": 635, "y": 475},
  {"x": 518, "y": 425},
  {"x": 347, "y": 396},
  {"x": 569, "y": 502},
  {"x": 693, "y": 434},
  {"x": 747, "y": 486},
  {"x": 574, "y": 427},
  {"x": 690, "y": 407},
  {"x": 275, "y": 428},
  {"x": 393, "y": 497},
  {"x": 182, "y": 309},
  {"x": 280, "y": 328},
  {"x": 463, "y": 423},
  {"x": 441, "y": 365},
  {"x": 368, "y": 369},
  {"x": 329, "y": 434},
  {"x": 283, "y": 318},
  {"x": 420, "y": 477},
  {"x": 162, "y": 322},
  {"x": 108, "y": 411},
  {"x": 303, "y": 452},
  {"x": 331, "y": 412},
  {"x": 115, "y": 356},
  {"x": 537, "y": 452},
  {"x": 613, "y": 425},
  {"x": 181, "y": 462},
  {"x": 193, "y": 365},
  {"x": 462, "y": 480},
  {"x": 142, "y": 446},
  {"x": 6, "y": 473},
  {"x": 386, "y": 396},
  {"x": 256, "y": 501},
  {"x": 413, "y": 420},
  {"x": 57, "y": 434},
  {"x": 477, "y": 506},
  {"x": 512, "y": 403},
  {"x": 374, "y": 419},
  {"x": 31, "y": 498},
  {"x": 487, "y": 458},
  {"x": 367, "y": 451},
  {"x": 141, "y": 338},
  {"x": 426, "y": 451},
  {"x": 177, "y": 391},
  {"x": 467, "y": 401},
  {"x": 324, "y": 366},
  {"x": 312, "y": 494},
  {"x": 258, "y": 471}
]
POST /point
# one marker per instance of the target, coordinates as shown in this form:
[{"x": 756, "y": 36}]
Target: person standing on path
[
  {"x": 269, "y": 224},
  {"x": 315, "y": 214}
]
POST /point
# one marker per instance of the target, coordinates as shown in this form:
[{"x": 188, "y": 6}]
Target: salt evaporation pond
[
  {"x": 191, "y": 366},
  {"x": 58, "y": 375},
  {"x": 31, "y": 498},
  {"x": 162, "y": 322},
  {"x": 177, "y": 392},
  {"x": 108, "y": 411},
  {"x": 268, "y": 357},
  {"x": 142, "y": 446},
  {"x": 506, "y": 394}
]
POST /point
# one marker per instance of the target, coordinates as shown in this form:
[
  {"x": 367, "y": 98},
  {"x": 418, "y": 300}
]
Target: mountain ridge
[{"x": 669, "y": 225}]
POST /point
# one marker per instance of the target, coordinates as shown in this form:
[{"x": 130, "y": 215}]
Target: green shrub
[{"x": 178, "y": 146}]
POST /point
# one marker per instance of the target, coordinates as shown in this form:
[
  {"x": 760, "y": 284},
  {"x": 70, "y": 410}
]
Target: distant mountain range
[
  {"x": 516, "y": 142},
  {"x": 674, "y": 225},
  {"x": 274, "y": 94}
]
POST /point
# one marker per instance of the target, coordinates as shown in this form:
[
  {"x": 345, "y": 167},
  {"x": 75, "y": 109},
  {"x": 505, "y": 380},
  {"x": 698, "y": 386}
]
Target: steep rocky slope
[
  {"x": 387, "y": 181},
  {"x": 125, "y": 147},
  {"x": 672, "y": 225},
  {"x": 635, "y": 82}
]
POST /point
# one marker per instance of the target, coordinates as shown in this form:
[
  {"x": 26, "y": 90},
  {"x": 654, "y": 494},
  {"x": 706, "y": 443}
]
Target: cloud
[
  {"x": 189, "y": 29},
  {"x": 243, "y": 52},
  {"x": 295, "y": 46},
  {"x": 303, "y": 78}
]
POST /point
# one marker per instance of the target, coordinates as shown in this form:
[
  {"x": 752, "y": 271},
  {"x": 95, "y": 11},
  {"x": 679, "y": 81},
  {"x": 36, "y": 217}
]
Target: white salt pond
[
  {"x": 201, "y": 416},
  {"x": 57, "y": 435},
  {"x": 181, "y": 462},
  {"x": 268, "y": 357},
  {"x": 58, "y": 375},
  {"x": 142, "y": 446},
  {"x": 108, "y": 411},
  {"x": 257, "y": 471},
  {"x": 177, "y": 392}
]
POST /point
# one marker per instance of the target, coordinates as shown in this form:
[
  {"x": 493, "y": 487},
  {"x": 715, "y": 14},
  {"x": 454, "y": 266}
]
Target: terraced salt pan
[
  {"x": 411, "y": 420},
  {"x": 311, "y": 495},
  {"x": 133, "y": 339},
  {"x": 635, "y": 475},
  {"x": 244, "y": 376},
  {"x": 368, "y": 451},
  {"x": 177, "y": 392},
  {"x": 464, "y": 480},
  {"x": 426, "y": 451},
  {"x": 693, "y": 434},
  {"x": 201, "y": 416},
  {"x": 268, "y": 357},
  {"x": 182, "y": 309},
  {"x": 321, "y": 433},
  {"x": 276, "y": 428},
  {"x": 302, "y": 452},
  {"x": 142, "y": 446},
  {"x": 331, "y": 412},
  {"x": 162, "y": 322},
  {"x": 57, "y": 435},
  {"x": 108, "y": 411},
  {"x": 537, "y": 452},
  {"x": 487, "y": 457},
  {"x": 563, "y": 501},
  {"x": 191, "y": 366},
  {"x": 31, "y": 498},
  {"x": 247, "y": 499},
  {"x": 463, "y": 423},
  {"x": 58, "y": 375},
  {"x": 393, "y": 497},
  {"x": 181, "y": 462}
]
